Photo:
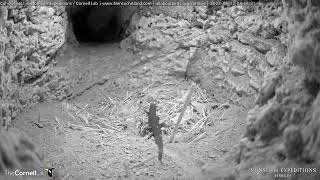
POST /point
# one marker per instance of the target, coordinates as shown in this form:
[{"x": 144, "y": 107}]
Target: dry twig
[
  {"x": 223, "y": 130},
  {"x": 66, "y": 108},
  {"x": 147, "y": 87},
  {"x": 83, "y": 118},
  {"x": 143, "y": 162},
  {"x": 182, "y": 112},
  {"x": 106, "y": 125},
  {"x": 201, "y": 94},
  {"x": 38, "y": 123},
  {"x": 57, "y": 127},
  {"x": 200, "y": 123},
  {"x": 222, "y": 115},
  {"x": 112, "y": 110},
  {"x": 198, "y": 138}
]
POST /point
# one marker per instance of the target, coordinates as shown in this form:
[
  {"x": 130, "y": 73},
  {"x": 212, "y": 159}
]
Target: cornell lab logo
[{"x": 49, "y": 171}]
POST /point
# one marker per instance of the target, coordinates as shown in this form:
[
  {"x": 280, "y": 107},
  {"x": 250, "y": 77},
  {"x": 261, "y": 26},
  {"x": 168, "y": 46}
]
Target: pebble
[
  {"x": 225, "y": 69},
  {"x": 106, "y": 175},
  {"x": 218, "y": 77},
  {"x": 237, "y": 72},
  {"x": 150, "y": 55}
]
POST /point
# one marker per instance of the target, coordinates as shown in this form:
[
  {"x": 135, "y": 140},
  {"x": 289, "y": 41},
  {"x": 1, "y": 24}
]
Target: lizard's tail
[
  {"x": 160, "y": 148},
  {"x": 160, "y": 154}
]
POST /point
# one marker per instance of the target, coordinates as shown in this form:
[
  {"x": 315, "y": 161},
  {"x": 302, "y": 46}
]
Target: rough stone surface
[
  {"x": 226, "y": 50},
  {"x": 283, "y": 127},
  {"x": 305, "y": 35},
  {"x": 177, "y": 12},
  {"x": 275, "y": 57},
  {"x": 31, "y": 36}
]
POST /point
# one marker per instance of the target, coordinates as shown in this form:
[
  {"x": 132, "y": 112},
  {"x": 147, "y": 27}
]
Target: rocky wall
[
  {"x": 229, "y": 51},
  {"x": 31, "y": 36},
  {"x": 282, "y": 137}
]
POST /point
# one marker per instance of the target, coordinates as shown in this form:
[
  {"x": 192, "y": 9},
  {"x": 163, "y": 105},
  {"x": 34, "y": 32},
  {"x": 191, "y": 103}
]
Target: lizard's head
[{"x": 153, "y": 106}]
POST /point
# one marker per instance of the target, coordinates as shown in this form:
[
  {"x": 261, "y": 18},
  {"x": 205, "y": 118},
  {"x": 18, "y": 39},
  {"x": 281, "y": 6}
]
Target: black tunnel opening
[{"x": 96, "y": 24}]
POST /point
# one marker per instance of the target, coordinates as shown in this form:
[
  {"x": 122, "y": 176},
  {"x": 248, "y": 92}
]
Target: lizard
[{"x": 153, "y": 122}]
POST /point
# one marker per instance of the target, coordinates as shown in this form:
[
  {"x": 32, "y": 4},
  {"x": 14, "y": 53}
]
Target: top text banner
[{"x": 125, "y": 2}]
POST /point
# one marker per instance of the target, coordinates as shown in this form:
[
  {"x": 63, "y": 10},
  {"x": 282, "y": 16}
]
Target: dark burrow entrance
[{"x": 96, "y": 24}]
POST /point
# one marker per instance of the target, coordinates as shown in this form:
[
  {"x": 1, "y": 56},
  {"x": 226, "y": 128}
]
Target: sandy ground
[{"x": 80, "y": 151}]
